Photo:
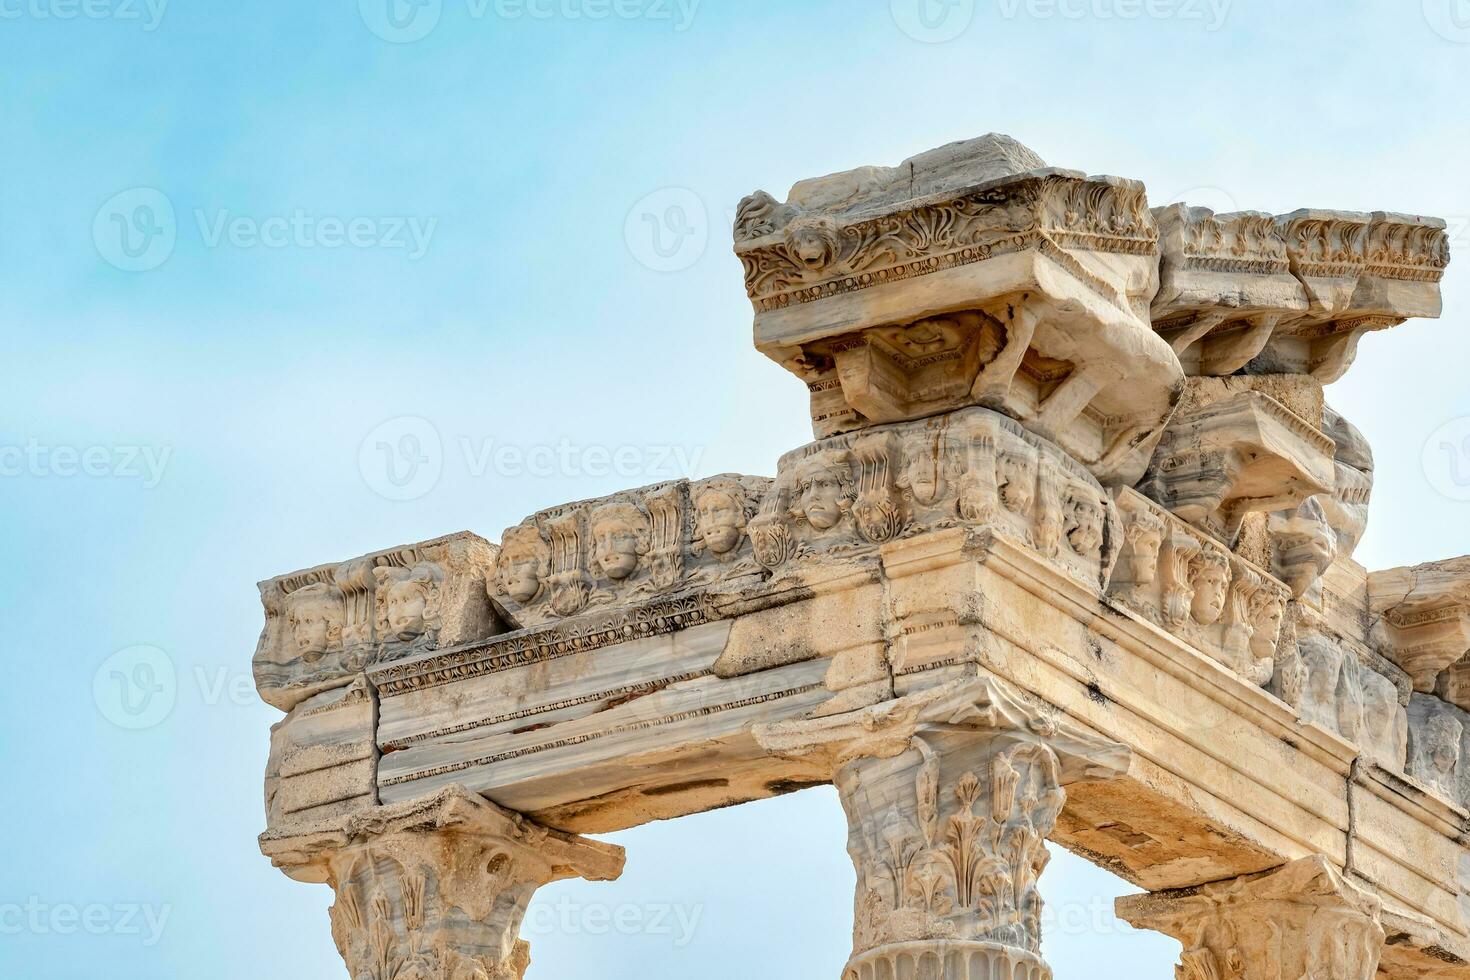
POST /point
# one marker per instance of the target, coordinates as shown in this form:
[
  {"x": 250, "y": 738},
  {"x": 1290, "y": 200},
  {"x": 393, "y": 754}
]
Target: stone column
[
  {"x": 436, "y": 889},
  {"x": 950, "y": 794},
  {"x": 1302, "y": 921}
]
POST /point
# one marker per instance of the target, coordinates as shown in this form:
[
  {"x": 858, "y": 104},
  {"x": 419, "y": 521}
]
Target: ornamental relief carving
[
  {"x": 325, "y": 625},
  {"x": 1186, "y": 582}
]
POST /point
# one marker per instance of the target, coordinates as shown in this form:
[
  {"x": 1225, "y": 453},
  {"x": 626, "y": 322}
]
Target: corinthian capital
[
  {"x": 950, "y": 794},
  {"x": 436, "y": 889},
  {"x": 1302, "y": 921}
]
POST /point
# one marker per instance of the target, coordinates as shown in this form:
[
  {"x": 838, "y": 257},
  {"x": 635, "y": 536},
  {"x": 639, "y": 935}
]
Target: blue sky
[{"x": 508, "y": 240}]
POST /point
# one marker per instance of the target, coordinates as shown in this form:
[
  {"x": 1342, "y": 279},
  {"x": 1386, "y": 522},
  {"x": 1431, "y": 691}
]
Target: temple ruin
[{"x": 1070, "y": 559}]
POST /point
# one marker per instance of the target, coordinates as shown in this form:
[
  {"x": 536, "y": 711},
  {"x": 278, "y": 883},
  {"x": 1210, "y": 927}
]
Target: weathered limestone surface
[{"x": 1069, "y": 559}]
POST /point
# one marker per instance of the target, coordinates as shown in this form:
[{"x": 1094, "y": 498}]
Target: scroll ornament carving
[{"x": 325, "y": 625}]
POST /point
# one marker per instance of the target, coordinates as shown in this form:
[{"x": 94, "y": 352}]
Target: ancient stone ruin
[{"x": 1070, "y": 559}]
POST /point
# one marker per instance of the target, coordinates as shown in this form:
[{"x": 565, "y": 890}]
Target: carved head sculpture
[
  {"x": 924, "y": 477},
  {"x": 721, "y": 512},
  {"x": 825, "y": 488},
  {"x": 524, "y": 562},
  {"x": 812, "y": 241},
  {"x": 1209, "y": 576},
  {"x": 1442, "y": 737},
  {"x": 1304, "y": 544},
  {"x": 1381, "y": 716},
  {"x": 408, "y": 599},
  {"x": 1017, "y": 479},
  {"x": 620, "y": 537},
  {"x": 1268, "y": 611},
  {"x": 315, "y": 614},
  {"x": 1145, "y": 534},
  {"x": 1085, "y": 517},
  {"x": 1322, "y": 660}
]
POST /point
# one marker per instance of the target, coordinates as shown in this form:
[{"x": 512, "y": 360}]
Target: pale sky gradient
[{"x": 250, "y": 363}]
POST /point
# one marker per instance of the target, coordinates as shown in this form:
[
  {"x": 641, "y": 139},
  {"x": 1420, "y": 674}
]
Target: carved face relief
[
  {"x": 923, "y": 471},
  {"x": 1211, "y": 581},
  {"x": 1444, "y": 744},
  {"x": 1267, "y": 628},
  {"x": 1146, "y": 541},
  {"x": 406, "y": 597},
  {"x": 1017, "y": 482},
  {"x": 719, "y": 521},
  {"x": 1323, "y": 664},
  {"x": 825, "y": 489},
  {"x": 619, "y": 537},
  {"x": 315, "y": 615},
  {"x": 812, "y": 242},
  {"x": 523, "y": 558},
  {"x": 1084, "y": 525}
]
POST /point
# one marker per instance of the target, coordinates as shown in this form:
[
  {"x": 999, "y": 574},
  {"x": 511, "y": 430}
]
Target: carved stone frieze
[
  {"x": 1303, "y": 921},
  {"x": 950, "y": 794},
  {"x": 1188, "y": 583},
  {"x": 1439, "y": 741},
  {"x": 968, "y": 276},
  {"x": 325, "y": 625},
  {"x": 436, "y": 889},
  {"x": 1352, "y": 692}
]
